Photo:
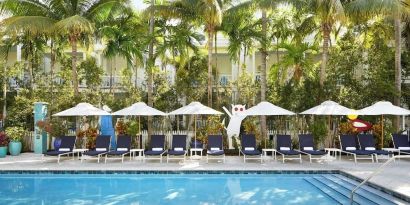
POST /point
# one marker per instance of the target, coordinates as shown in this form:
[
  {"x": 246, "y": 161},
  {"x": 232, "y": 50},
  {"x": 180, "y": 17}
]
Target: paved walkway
[{"x": 396, "y": 176}]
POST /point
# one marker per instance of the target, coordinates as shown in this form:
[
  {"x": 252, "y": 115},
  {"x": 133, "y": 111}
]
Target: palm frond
[
  {"x": 34, "y": 25},
  {"x": 74, "y": 25},
  {"x": 23, "y": 7}
]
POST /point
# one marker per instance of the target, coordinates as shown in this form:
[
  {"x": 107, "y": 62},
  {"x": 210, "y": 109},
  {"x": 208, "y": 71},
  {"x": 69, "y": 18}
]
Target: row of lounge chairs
[
  {"x": 360, "y": 147},
  {"x": 177, "y": 151}
]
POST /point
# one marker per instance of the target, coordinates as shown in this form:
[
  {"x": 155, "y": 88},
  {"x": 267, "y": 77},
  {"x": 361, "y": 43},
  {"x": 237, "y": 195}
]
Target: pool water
[{"x": 161, "y": 189}]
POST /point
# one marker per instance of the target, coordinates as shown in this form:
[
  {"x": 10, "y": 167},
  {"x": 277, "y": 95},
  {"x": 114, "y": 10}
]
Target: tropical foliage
[{"x": 303, "y": 52}]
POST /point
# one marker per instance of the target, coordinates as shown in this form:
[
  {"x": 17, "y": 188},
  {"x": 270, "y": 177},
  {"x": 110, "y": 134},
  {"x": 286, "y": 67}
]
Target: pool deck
[{"x": 396, "y": 176}]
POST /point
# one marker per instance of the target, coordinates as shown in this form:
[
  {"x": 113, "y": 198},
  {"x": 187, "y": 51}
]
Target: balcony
[{"x": 224, "y": 80}]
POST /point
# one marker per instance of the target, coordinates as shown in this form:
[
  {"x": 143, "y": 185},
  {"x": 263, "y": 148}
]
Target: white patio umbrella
[
  {"x": 383, "y": 108},
  {"x": 266, "y": 109},
  {"x": 83, "y": 109},
  {"x": 195, "y": 108},
  {"x": 139, "y": 109},
  {"x": 329, "y": 108}
]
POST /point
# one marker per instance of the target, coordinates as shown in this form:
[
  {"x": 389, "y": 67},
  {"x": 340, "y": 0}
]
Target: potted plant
[
  {"x": 4, "y": 141},
  {"x": 15, "y": 134}
]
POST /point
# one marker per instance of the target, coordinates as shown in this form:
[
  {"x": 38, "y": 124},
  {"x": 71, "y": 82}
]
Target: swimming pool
[{"x": 186, "y": 188}]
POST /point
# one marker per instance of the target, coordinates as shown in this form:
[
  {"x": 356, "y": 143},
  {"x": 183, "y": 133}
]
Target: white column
[
  {"x": 404, "y": 122},
  {"x": 18, "y": 52},
  {"x": 254, "y": 63}
]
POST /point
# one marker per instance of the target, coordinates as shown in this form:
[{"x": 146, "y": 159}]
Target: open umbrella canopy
[
  {"x": 83, "y": 109},
  {"x": 384, "y": 108},
  {"x": 266, "y": 108},
  {"x": 329, "y": 108},
  {"x": 195, "y": 108},
  {"x": 139, "y": 109}
]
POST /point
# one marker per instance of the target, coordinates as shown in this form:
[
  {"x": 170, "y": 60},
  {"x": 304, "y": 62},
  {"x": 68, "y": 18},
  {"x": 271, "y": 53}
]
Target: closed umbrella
[
  {"x": 139, "y": 109},
  {"x": 195, "y": 108},
  {"x": 383, "y": 108},
  {"x": 266, "y": 109}
]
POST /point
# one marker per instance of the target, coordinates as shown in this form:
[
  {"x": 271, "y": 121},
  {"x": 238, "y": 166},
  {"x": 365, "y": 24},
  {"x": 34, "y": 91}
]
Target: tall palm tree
[
  {"x": 264, "y": 6},
  {"x": 5, "y": 47},
  {"x": 201, "y": 12},
  {"x": 72, "y": 19},
  {"x": 395, "y": 9},
  {"x": 326, "y": 13},
  {"x": 242, "y": 30},
  {"x": 124, "y": 37}
]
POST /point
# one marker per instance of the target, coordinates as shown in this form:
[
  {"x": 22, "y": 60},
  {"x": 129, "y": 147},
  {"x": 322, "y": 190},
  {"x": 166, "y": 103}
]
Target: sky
[{"x": 139, "y": 4}]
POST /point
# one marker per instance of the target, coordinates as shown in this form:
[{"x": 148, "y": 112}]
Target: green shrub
[
  {"x": 319, "y": 130},
  {"x": 15, "y": 134}
]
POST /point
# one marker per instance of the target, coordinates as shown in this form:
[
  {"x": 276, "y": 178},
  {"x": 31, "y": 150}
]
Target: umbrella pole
[
  {"x": 266, "y": 136},
  {"x": 382, "y": 131},
  {"x": 330, "y": 131},
  {"x": 139, "y": 132}
]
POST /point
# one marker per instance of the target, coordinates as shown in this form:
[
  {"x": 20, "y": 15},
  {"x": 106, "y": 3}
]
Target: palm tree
[
  {"x": 326, "y": 13},
  {"x": 395, "y": 9},
  {"x": 296, "y": 56},
  {"x": 5, "y": 47},
  {"x": 124, "y": 37},
  {"x": 71, "y": 19},
  {"x": 203, "y": 12},
  {"x": 242, "y": 30},
  {"x": 179, "y": 41}
]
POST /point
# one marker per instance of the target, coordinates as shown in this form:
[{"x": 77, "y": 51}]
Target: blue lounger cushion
[
  {"x": 360, "y": 152},
  {"x": 217, "y": 152},
  {"x": 173, "y": 152},
  {"x": 289, "y": 152},
  {"x": 93, "y": 153},
  {"x": 150, "y": 152},
  {"x": 380, "y": 152},
  {"x": 215, "y": 141},
  {"x": 56, "y": 153},
  {"x": 249, "y": 140},
  {"x": 117, "y": 152},
  {"x": 315, "y": 152},
  {"x": 251, "y": 152}
]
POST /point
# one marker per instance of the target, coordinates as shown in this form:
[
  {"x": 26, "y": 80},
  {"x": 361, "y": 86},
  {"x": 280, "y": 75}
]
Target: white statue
[{"x": 234, "y": 126}]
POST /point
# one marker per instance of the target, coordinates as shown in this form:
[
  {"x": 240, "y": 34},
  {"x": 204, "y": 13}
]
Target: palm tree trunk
[
  {"x": 52, "y": 67},
  {"x": 151, "y": 62},
  {"x": 264, "y": 55},
  {"x": 325, "y": 47},
  {"x": 210, "y": 35},
  {"x": 111, "y": 80},
  {"x": 73, "y": 41},
  {"x": 136, "y": 73},
  {"x": 216, "y": 74},
  {"x": 4, "y": 95},
  {"x": 397, "y": 66}
]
